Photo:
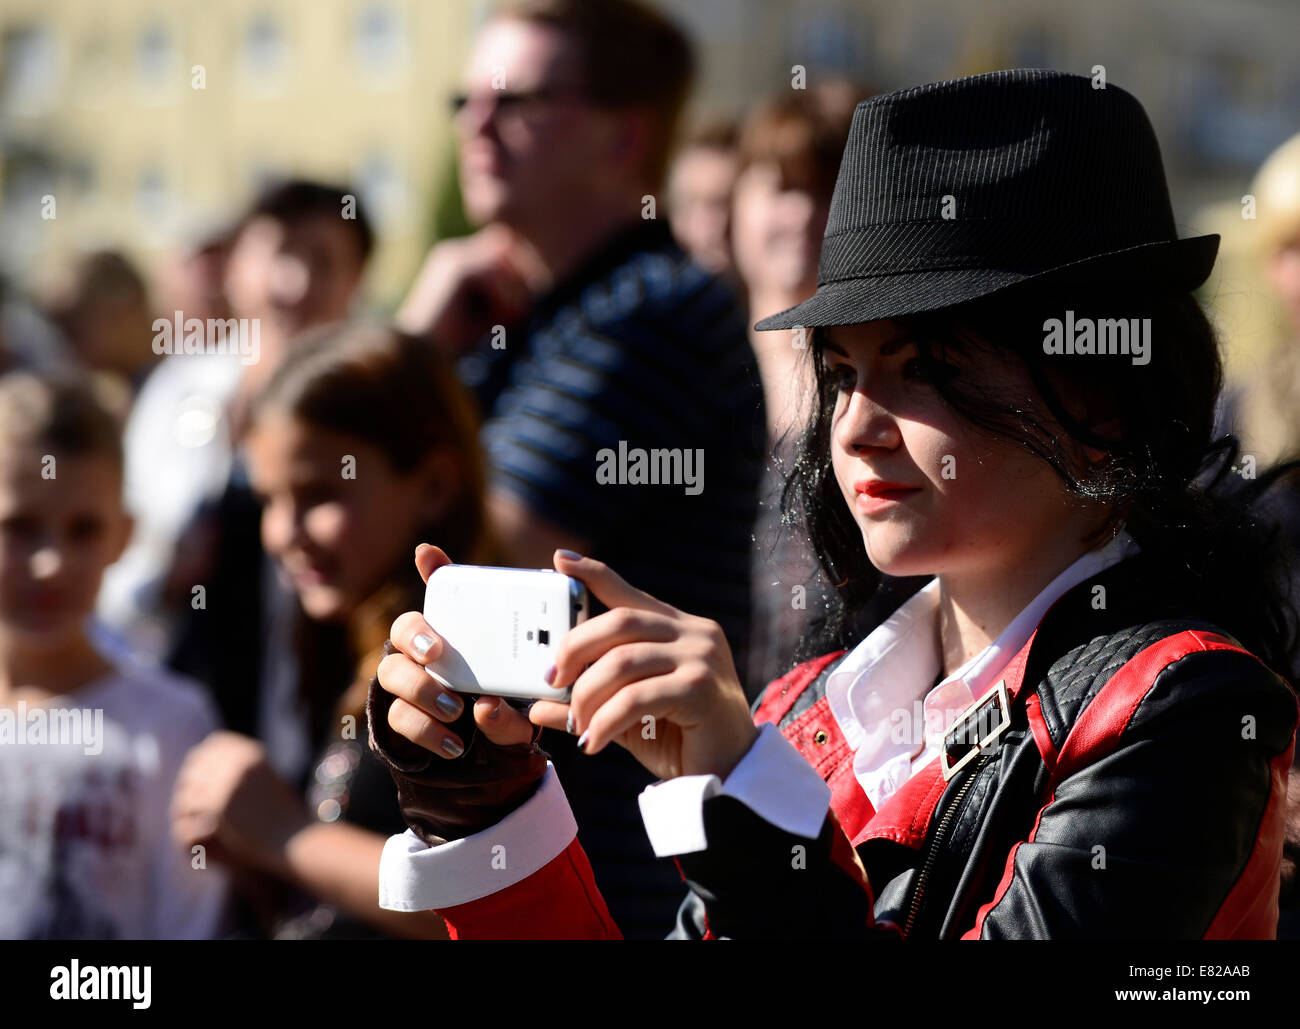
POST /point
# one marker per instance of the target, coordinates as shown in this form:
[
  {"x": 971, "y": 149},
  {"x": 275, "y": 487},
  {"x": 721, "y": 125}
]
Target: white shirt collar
[{"x": 881, "y": 693}]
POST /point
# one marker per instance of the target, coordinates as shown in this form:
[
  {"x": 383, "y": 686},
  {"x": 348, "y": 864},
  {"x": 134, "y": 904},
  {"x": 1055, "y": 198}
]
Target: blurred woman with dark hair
[
  {"x": 790, "y": 148},
  {"x": 361, "y": 445},
  {"x": 789, "y": 152}
]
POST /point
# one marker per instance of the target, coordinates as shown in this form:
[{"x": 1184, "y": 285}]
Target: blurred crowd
[{"x": 244, "y": 460}]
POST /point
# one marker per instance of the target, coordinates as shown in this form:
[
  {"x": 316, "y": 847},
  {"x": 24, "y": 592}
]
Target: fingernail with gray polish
[
  {"x": 448, "y": 705},
  {"x": 452, "y": 747},
  {"x": 421, "y": 645},
  {"x": 582, "y": 740}
]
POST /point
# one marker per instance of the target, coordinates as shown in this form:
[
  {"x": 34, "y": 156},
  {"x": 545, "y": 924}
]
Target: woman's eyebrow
[{"x": 892, "y": 346}]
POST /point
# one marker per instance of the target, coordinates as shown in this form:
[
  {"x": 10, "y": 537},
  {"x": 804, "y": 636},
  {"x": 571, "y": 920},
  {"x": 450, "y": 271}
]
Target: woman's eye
[
  {"x": 916, "y": 370},
  {"x": 842, "y": 376}
]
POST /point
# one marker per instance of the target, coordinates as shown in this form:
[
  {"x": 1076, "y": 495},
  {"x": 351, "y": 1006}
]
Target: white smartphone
[{"x": 500, "y": 627}]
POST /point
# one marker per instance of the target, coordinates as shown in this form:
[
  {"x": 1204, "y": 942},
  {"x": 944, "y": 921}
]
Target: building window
[
  {"x": 152, "y": 201},
  {"x": 155, "y": 57},
  {"x": 264, "y": 53},
  {"x": 29, "y": 177},
  {"x": 29, "y": 70},
  {"x": 379, "y": 41}
]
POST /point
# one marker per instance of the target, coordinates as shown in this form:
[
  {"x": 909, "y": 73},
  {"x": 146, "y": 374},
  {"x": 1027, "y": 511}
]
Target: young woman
[
  {"x": 359, "y": 446},
  {"x": 1076, "y": 729}
]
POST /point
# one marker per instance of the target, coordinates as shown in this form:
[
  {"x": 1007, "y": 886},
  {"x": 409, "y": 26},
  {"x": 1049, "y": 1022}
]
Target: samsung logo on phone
[{"x": 661, "y": 467}]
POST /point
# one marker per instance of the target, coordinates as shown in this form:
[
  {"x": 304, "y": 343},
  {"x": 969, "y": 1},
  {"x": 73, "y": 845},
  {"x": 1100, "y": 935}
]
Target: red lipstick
[{"x": 874, "y": 495}]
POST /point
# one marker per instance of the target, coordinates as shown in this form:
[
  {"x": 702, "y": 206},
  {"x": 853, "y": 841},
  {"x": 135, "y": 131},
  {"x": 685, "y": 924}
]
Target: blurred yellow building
[{"x": 145, "y": 120}]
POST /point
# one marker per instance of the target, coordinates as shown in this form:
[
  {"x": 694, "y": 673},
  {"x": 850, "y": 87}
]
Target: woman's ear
[
  {"x": 1110, "y": 429},
  {"x": 1093, "y": 409}
]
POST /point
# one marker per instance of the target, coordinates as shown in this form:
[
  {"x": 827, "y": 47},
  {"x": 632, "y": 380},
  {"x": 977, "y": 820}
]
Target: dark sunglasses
[{"x": 507, "y": 101}]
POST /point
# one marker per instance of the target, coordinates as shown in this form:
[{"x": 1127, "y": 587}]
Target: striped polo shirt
[{"x": 637, "y": 368}]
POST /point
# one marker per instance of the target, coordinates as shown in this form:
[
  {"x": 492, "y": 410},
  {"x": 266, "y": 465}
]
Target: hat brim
[{"x": 1174, "y": 265}]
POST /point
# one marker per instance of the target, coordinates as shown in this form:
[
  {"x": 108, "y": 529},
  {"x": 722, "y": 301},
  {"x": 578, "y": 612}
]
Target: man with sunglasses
[{"x": 584, "y": 328}]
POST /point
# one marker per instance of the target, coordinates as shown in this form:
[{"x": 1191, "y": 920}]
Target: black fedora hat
[{"x": 958, "y": 190}]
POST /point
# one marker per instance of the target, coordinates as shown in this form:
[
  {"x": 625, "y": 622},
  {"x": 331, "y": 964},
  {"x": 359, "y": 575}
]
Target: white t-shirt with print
[{"x": 85, "y": 843}]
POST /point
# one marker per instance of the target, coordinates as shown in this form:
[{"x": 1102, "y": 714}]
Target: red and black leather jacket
[{"x": 1137, "y": 791}]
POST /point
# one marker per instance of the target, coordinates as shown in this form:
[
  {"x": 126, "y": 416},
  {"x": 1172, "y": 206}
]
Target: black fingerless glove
[{"x": 446, "y": 799}]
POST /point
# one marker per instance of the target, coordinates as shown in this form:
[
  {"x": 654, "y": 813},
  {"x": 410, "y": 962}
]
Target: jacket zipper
[{"x": 932, "y": 852}]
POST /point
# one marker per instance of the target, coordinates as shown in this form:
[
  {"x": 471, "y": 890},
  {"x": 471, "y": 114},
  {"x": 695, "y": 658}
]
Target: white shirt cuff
[
  {"x": 773, "y": 780},
  {"x": 416, "y": 877}
]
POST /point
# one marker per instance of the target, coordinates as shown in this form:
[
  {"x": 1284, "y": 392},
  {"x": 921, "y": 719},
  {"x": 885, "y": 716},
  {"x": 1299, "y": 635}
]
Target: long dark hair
[{"x": 1192, "y": 503}]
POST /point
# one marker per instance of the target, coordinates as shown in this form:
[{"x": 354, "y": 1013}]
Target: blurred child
[
  {"x": 89, "y": 750},
  {"x": 104, "y": 310},
  {"x": 700, "y": 182},
  {"x": 292, "y": 262},
  {"x": 361, "y": 445},
  {"x": 789, "y": 152}
]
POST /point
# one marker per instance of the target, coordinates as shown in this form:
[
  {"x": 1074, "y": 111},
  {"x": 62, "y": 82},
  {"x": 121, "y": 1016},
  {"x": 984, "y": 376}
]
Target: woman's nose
[{"x": 865, "y": 424}]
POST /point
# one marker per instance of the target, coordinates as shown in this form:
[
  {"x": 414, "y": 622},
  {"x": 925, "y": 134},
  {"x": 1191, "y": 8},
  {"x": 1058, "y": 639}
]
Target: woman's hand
[
  {"x": 423, "y": 709},
  {"x": 471, "y": 768},
  {"x": 229, "y": 800},
  {"x": 661, "y": 683}
]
